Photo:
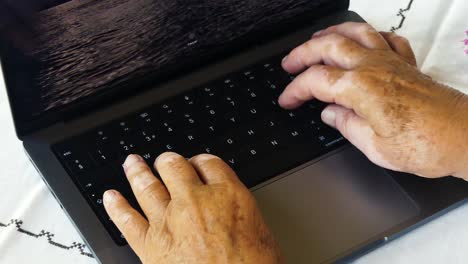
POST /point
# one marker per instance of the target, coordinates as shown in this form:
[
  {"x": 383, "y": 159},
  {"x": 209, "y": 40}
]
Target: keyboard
[{"x": 236, "y": 117}]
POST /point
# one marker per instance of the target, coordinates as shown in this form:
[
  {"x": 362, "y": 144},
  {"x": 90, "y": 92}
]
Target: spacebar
[{"x": 264, "y": 169}]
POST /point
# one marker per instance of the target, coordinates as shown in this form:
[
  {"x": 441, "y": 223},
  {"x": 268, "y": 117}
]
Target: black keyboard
[{"x": 236, "y": 117}]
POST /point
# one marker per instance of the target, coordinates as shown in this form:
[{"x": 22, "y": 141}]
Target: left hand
[{"x": 203, "y": 214}]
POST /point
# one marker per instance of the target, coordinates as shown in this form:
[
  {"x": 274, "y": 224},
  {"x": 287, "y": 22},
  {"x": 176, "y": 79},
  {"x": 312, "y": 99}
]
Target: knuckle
[
  {"x": 399, "y": 37},
  {"x": 343, "y": 120},
  {"x": 330, "y": 29},
  {"x": 391, "y": 34},
  {"x": 402, "y": 40},
  {"x": 143, "y": 181},
  {"x": 191, "y": 199},
  {"x": 302, "y": 50},
  {"x": 353, "y": 76},
  {"x": 201, "y": 159},
  {"x": 300, "y": 82},
  {"x": 152, "y": 190},
  {"x": 336, "y": 38},
  {"x": 366, "y": 28},
  {"x": 340, "y": 42},
  {"x": 300, "y": 87},
  {"x": 321, "y": 69},
  {"x": 138, "y": 169},
  {"x": 350, "y": 24},
  {"x": 126, "y": 220}
]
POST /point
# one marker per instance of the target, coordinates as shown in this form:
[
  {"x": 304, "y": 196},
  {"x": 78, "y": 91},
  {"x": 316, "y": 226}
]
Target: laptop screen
[{"x": 58, "y": 52}]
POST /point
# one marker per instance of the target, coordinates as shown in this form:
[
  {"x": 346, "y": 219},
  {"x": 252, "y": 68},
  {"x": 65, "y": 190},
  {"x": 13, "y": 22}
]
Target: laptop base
[{"x": 419, "y": 200}]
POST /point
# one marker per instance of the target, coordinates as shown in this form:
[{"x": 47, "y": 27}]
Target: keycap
[
  {"x": 65, "y": 152},
  {"x": 75, "y": 159},
  {"x": 236, "y": 117},
  {"x": 207, "y": 93},
  {"x": 149, "y": 153},
  {"x": 101, "y": 136},
  {"x": 126, "y": 126},
  {"x": 228, "y": 142},
  {"x": 127, "y": 146},
  {"x": 232, "y": 159}
]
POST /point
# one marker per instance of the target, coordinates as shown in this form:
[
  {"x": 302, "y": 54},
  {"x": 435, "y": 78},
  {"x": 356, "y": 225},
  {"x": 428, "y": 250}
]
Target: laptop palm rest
[{"x": 332, "y": 206}]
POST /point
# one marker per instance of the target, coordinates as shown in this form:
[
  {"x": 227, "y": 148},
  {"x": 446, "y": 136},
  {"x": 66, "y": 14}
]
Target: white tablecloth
[{"x": 33, "y": 229}]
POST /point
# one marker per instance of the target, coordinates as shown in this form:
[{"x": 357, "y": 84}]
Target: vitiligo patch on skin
[{"x": 406, "y": 109}]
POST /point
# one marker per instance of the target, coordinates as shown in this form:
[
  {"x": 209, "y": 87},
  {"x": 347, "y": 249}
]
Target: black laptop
[{"x": 91, "y": 81}]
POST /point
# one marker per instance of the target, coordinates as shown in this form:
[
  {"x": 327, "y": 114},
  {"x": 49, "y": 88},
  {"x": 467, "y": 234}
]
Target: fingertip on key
[
  {"x": 167, "y": 157},
  {"x": 131, "y": 160},
  {"x": 329, "y": 117},
  {"x": 109, "y": 197},
  {"x": 204, "y": 158},
  {"x": 285, "y": 102}
]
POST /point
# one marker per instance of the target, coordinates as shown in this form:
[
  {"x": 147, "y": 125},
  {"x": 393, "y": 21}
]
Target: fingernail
[
  {"x": 131, "y": 159},
  {"x": 109, "y": 197},
  {"x": 166, "y": 157},
  {"x": 204, "y": 157},
  {"x": 284, "y": 59},
  {"x": 281, "y": 100},
  {"x": 285, "y": 101},
  {"x": 329, "y": 117},
  {"x": 318, "y": 33}
]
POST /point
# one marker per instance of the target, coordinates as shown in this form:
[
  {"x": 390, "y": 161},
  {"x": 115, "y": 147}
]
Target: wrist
[
  {"x": 462, "y": 171},
  {"x": 462, "y": 157},
  {"x": 264, "y": 257},
  {"x": 268, "y": 253}
]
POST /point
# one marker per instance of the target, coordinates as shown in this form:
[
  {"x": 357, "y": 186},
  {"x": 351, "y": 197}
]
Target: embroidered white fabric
[{"x": 436, "y": 28}]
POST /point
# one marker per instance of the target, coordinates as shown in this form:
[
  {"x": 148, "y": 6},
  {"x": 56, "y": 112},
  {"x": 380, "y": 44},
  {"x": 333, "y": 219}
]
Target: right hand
[{"x": 398, "y": 117}]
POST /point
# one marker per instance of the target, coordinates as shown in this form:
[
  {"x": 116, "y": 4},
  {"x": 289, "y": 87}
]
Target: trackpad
[{"x": 333, "y": 206}]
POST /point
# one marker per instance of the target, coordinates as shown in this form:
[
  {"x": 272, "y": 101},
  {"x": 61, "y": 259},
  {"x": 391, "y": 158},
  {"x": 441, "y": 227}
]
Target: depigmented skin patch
[
  {"x": 419, "y": 124},
  {"x": 216, "y": 221},
  {"x": 416, "y": 124},
  {"x": 413, "y": 124},
  {"x": 412, "y": 116}
]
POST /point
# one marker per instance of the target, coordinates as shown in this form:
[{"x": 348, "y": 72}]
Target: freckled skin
[
  {"x": 419, "y": 125},
  {"x": 399, "y": 117},
  {"x": 212, "y": 220}
]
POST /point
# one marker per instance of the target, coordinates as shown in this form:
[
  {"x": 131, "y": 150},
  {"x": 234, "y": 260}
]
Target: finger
[
  {"x": 356, "y": 130},
  {"x": 401, "y": 46},
  {"x": 132, "y": 225},
  {"x": 362, "y": 33},
  {"x": 177, "y": 173},
  {"x": 332, "y": 49},
  {"x": 320, "y": 82},
  {"x": 151, "y": 194},
  {"x": 213, "y": 170}
]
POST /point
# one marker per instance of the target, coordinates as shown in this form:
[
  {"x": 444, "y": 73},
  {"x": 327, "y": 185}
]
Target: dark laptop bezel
[
  {"x": 433, "y": 196},
  {"x": 14, "y": 72}
]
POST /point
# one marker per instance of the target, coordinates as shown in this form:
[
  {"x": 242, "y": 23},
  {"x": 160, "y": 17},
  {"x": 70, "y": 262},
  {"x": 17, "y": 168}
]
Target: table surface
[{"x": 33, "y": 229}]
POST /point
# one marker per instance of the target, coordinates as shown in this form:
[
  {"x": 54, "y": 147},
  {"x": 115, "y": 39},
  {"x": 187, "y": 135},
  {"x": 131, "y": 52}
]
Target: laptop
[{"x": 91, "y": 81}]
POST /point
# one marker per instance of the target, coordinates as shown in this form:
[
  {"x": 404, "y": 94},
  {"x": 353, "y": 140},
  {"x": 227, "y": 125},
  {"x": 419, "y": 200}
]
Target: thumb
[
  {"x": 352, "y": 127},
  {"x": 356, "y": 130}
]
